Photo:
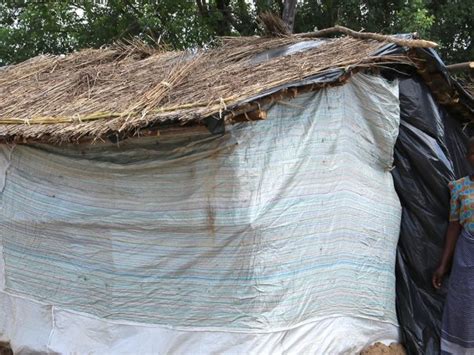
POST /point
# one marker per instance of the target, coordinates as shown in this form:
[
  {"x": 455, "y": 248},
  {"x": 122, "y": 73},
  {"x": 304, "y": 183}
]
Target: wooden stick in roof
[
  {"x": 368, "y": 35},
  {"x": 461, "y": 66}
]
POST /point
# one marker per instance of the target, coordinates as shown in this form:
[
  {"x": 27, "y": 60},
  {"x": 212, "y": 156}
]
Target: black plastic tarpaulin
[{"x": 428, "y": 154}]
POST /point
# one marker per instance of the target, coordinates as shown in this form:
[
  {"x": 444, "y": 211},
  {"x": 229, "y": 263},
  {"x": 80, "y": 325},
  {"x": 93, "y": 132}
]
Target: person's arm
[{"x": 452, "y": 234}]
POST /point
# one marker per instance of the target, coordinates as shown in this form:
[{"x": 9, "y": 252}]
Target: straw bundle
[
  {"x": 274, "y": 25},
  {"x": 120, "y": 90}
]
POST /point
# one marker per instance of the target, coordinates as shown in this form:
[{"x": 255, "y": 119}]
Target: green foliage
[
  {"x": 369, "y": 15},
  {"x": 414, "y": 17},
  {"x": 28, "y": 30},
  {"x": 31, "y": 27},
  {"x": 453, "y": 28},
  {"x": 173, "y": 21},
  {"x": 449, "y": 22}
]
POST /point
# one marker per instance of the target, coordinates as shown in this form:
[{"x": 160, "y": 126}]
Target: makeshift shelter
[{"x": 237, "y": 199}]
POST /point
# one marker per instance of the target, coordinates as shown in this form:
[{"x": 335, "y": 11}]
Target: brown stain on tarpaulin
[
  {"x": 211, "y": 184},
  {"x": 211, "y": 219}
]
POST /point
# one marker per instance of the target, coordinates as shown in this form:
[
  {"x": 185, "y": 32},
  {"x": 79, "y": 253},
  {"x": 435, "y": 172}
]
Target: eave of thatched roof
[
  {"x": 464, "y": 74},
  {"x": 120, "y": 91}
]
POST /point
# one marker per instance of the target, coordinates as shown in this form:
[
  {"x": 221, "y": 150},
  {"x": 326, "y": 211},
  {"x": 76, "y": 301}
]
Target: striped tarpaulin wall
[{"x": 272, "y": 225}]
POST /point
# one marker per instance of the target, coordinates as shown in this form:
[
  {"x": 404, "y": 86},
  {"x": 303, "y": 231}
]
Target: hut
[{"x": 238, "y": 199}]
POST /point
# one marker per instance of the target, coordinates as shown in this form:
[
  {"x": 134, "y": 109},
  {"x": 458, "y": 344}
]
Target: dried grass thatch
[
  {"x": 467, "y": 82},
  {"x": 273, "y": 25},
  {"x": 96, "y": 93}
]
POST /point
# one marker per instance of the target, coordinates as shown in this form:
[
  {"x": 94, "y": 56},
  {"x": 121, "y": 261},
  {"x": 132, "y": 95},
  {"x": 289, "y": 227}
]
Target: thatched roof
[
  {"x": 125, "y": 90},
  {"x": 467, "y": 82}
]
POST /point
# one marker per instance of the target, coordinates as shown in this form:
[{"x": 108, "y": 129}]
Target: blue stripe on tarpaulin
[{"x": 272, "y": 224}]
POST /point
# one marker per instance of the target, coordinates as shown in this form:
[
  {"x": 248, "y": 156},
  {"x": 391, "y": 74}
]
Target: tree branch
[
  {"x": 368, "y": 35},
  {"x": 461, "y": 66}
]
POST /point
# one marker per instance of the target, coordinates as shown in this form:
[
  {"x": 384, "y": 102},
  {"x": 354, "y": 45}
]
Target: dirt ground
[
  {"x": 379, "y": 348},
  {"x": 376, "y": 349},
  {"x": 5, "y": 349}
]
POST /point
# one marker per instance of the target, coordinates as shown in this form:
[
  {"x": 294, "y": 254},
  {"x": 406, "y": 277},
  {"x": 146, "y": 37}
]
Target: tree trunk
[
  {"x": 289, "y": 12},
  {"x": 202, "y": 7},
  {"x": 223, "y": 23}
]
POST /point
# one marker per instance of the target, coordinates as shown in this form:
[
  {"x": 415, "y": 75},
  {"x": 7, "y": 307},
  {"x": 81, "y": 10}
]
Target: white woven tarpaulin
[{"x": 278, "y": 236}]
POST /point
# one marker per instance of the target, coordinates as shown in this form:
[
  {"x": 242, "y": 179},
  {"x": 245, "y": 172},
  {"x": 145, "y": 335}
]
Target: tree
[
  {"x": 30, "y": 27},
  {"x": 369, "y": 15},
  {"x": 449, "y": 22},
  {"x": 453, "y": 28},
  {"x": 176, "y": 22},
  {"x": 289, "y": 13}
]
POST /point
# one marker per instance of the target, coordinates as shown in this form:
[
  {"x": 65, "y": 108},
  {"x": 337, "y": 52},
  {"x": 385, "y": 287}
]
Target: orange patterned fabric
[{"x": 462, "y": 202}]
